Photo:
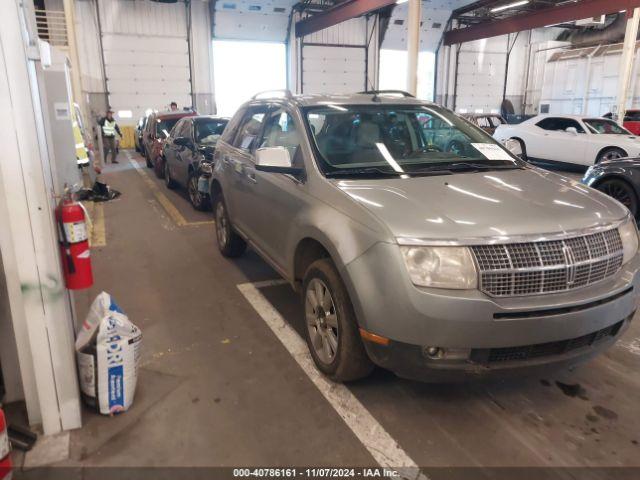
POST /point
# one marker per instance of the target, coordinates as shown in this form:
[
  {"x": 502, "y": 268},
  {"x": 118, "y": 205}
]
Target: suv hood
[{"x": 483, "y": 204}]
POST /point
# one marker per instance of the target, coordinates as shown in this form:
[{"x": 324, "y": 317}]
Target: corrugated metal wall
[
  {"x": 146, "y": 55},
  {"x": 339, "y": 59}
]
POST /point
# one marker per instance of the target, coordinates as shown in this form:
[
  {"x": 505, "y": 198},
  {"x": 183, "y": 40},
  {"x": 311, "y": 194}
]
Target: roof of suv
[{"x": 313, "y": 100}]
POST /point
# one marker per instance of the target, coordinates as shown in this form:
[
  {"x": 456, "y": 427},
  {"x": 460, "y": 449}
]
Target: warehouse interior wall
[
  {"x": 476, "y": 77},
  {"x": 145, "y": 55}
]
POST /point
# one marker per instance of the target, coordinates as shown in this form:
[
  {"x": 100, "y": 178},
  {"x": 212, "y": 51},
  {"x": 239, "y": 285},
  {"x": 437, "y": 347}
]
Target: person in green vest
[{"x": 109, "y": 130}]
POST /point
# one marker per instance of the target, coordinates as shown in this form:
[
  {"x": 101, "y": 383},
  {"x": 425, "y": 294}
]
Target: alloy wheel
[
  {"x": 611, "y": 155},
  {"x": 619, "y": 192},
  {"x": 194, "y": 194},
  {"x": 222, "y": 226},
  {"x": 322, "y": 320}
]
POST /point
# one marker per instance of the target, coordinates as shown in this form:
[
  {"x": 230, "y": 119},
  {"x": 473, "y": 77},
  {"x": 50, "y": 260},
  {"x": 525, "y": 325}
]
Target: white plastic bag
[{"x": 108, "y": 351}]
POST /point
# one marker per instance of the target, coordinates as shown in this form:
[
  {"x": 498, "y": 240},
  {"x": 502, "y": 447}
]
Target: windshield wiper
[
  {"x": 463, "y": 167},
  {"x": 367, "y": 171}
]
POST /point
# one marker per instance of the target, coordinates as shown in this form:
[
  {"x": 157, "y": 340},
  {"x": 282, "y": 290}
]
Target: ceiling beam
[
  {"x": 537, "y": 19},
  {"x": 338, "y": 14}
]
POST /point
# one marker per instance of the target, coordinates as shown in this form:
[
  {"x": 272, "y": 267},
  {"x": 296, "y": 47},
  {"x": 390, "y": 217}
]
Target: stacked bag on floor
[{"x": 108, "y": 351}]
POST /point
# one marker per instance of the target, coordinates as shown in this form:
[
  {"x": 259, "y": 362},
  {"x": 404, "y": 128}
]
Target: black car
[
  {"x": 619, "y": 179},
  {"x": 188, "y": 153}
]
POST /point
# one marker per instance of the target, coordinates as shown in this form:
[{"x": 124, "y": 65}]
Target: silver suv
[{"x": 428, "y": 261}]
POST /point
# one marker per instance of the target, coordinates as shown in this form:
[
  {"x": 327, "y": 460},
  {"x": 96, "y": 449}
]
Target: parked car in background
[
  {"x": 570, "y": 140},
  {"x": 188, "y": 156},
  {"x": 631, "y": 120},
  {"x": 156, "y": 131},
  {"x": 427, "y": 262},
  {"x": 486, "y": 121},
  {"x": 142, "y": 121},
  {"x": 619, "y": 179}
]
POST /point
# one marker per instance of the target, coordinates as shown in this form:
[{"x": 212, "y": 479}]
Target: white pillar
[
  {"x": 39, "y": 304},
  {"x": 626, "y": 63},
  {"x": 76, "y": 72},
  {"x": 413, "y": 45}
]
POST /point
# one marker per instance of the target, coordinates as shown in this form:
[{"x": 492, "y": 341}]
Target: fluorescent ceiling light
[
  {"x": 398, "y": 2},
  {"x": 510, "y": 5}
]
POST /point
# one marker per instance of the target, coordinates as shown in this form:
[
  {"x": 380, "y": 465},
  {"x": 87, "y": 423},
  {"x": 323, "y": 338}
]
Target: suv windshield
[
  {"x": 208, "y": 131},
  {"x": 606, "y": 127},
  {"x": 392, "y": 139}
]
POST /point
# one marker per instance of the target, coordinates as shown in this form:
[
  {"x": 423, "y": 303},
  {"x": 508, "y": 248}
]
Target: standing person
[
  {"x": 173, "y": 106},
  {"x": 109, "y": 130}
]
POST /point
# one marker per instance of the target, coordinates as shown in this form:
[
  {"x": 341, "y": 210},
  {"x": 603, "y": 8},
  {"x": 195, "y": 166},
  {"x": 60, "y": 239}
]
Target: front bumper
[{"x": 389, "y": 305}]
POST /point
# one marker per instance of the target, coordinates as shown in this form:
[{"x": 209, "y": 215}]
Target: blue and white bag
[{"x": 108, "y": 352}]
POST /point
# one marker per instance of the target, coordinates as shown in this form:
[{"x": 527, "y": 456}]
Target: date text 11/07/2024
[{"x": 318, "y": 472}]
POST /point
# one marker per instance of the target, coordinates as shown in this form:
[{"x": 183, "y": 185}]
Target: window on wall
[
  {"x": 393, "y": 72},
  {"x": 241, "y": 69}
]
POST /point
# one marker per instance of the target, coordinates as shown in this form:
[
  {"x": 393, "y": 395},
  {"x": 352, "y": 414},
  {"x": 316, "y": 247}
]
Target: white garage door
[
  {"x": 146, "y": 56},
  {"x": 333, "y": 69}
]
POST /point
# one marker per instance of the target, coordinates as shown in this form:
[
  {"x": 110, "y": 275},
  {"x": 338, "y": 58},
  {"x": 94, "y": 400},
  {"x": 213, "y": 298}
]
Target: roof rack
[
  {"x": 387, "y": 92},
  {"x": 283, "y": 93}
]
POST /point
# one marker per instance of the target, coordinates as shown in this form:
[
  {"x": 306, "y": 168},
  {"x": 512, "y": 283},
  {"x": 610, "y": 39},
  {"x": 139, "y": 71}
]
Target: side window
[
  {"x": 559, "y": 124},
  {"x": 230, "y": 132},
  {"x": 547, "y": 124},
  {"x": 483, "y": 122},
  {"x": 250, "y": 128},
  {"x": 281, "y": 131}
]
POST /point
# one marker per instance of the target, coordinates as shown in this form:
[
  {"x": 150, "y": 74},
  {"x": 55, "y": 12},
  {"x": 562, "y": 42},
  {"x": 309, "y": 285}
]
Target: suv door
[
  {"x": 239, "y": 167},
  {"x": 171, "y": 149},
  {"x": 184, "y": 154},
  {"x": 276, "y": 199}
]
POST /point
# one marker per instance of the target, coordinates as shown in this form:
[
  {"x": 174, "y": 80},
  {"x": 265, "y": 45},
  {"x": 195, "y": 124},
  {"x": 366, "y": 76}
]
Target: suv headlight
[
  {"x": 629, "y": 236},
  {"x": 440, "y": 267}
]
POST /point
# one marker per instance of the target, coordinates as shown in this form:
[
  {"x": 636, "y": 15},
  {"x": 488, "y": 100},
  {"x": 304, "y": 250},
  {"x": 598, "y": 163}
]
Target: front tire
[
  {"x": 622, "y": 192},
  {"x": 230, "y": 244},
  {"x": 147, "y": 158},
  {"x": 611, "y": 154},
  {"x": 331, "y": 329},
  {"x": 198, "y": 200}
]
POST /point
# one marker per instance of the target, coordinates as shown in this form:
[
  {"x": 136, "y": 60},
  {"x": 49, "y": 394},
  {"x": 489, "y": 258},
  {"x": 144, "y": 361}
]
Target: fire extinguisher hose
[{"x": 67, "y": 248}]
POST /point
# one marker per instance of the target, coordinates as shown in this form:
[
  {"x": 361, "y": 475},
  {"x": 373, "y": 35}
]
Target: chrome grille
[{"x": 534, "y": 268}]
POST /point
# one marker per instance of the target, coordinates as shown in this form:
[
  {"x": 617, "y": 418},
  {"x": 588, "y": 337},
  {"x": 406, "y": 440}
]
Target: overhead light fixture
[
  {"x": 509, "y": 5},
  {"x": 398, "y": 2}
]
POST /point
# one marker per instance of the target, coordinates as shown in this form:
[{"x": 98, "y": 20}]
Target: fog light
[{"x": 432, "y": 352}]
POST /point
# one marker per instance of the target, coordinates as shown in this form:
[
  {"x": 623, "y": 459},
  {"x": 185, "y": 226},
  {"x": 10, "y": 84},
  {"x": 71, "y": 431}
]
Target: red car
[
  {"x": 631, "y": 121},
  {"x": 156, "y": 131}
]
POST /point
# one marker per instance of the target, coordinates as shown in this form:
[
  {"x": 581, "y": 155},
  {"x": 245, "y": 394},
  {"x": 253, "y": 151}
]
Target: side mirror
[
  {"x": 183, "y": 142},
  {"x": 572, "y": 130},
  {"x": 515, "y": 147},
  {"x": 275, "y": 160}
]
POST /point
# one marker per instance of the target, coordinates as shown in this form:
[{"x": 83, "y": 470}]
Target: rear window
[{"x": 163, "y": 127}]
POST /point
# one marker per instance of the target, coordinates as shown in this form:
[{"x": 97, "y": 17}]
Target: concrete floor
[{"x": 217, "y": 388}]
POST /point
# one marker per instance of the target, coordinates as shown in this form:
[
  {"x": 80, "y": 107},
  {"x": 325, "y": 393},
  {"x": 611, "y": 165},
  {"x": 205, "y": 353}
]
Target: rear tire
[
  {"x": 612, "y": 153},
  {"x": 622, "y": 192},
  {"x": 168, "y": 181},
  {"x": 230, "y": 244},
  {"x": 331, "y": 329},
  {"x": 158, "y": 167}
]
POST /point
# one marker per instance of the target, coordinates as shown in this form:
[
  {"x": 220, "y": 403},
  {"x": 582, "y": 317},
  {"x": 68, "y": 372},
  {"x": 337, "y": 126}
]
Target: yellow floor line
[
  {"x": 169, "y": 207},
  {"x": 99, "y": 234}
]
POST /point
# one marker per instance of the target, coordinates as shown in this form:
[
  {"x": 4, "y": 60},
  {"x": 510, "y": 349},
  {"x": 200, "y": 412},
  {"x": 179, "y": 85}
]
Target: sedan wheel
[
  {"x": 622, "y": 192},
  {"x": 198, "y": 199},
  {"x": 168, "y": 181},
  {"x": 611, "y": 154},
  {"x": 322, "y": 321}
]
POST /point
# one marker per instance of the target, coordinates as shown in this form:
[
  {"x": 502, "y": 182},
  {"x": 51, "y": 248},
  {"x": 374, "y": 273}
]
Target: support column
[
  {"x": 626, "y": 62},
  {"x": 413, "y": 45},
  {"x": 76, "y": 74}
]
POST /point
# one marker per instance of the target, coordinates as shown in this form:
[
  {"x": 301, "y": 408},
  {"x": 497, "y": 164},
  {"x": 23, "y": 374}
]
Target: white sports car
[{"x": 569, "y": 139}]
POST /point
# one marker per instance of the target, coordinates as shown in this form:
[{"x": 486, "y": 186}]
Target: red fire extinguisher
[
  {"x": 74, "y": 244},
  {"x": 5, "y": 450}
]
